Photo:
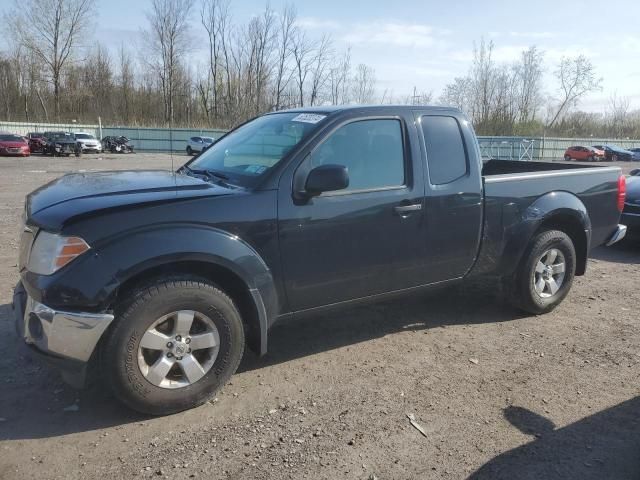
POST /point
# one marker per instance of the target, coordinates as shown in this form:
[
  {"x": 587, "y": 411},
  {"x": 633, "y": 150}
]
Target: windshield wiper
[{"x": 210, "y": 174}]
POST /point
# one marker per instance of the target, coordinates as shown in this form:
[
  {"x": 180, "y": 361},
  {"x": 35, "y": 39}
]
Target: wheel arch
[
  {"x": 559, "y": 210},
  {"x": 208, "y": 253},
  {"x": 247, "y": 300}
]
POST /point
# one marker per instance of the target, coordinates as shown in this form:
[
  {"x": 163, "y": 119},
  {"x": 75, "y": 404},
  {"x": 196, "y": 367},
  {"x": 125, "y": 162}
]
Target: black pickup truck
[{"x": 161, "y": 278}]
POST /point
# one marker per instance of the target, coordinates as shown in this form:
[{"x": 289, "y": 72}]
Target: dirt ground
[{"x": 499, "y": 395}]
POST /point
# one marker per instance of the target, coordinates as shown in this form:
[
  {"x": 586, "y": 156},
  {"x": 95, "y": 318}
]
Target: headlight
[{"x": 51, "y": 252}]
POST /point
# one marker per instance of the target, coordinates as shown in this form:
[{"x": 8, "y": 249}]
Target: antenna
[{"x": 173, "y": 170}]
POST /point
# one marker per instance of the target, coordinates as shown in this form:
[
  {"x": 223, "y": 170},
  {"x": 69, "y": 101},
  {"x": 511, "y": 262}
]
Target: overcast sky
[{"x": 425, "y": 43}]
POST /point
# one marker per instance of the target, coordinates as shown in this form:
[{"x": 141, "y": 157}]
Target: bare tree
[
  {"x": 364, "y": 84},
  {"x": 212, "y": 15},
  {"x": 286, "y": 34},
  {"x": 302, "y": 51},
  {"x": 618, "y": 114},
  {"x": 340, "y": 78},
  {"x": 458, "y": 93},
  {"x": 576, "y": 77},
  {"x": 168, "y": 40},
  {"x": 320, "y": 68},
  {"x": 261, "y": 38},
  {"x": 529, "y": 78},
  {"x": 51, "y": 30},
  {"x": 125, "y": 83}
]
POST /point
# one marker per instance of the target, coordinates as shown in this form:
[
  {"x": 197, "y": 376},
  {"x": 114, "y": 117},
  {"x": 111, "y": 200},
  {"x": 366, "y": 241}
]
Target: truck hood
[{"x": 79, "y": 194}]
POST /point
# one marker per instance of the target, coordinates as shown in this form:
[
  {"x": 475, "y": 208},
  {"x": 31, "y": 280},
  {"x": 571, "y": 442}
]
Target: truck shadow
[
  {"x": 473, "y": 302},
  {"x": 603, "y": 445},
  {"x": 627, "y": 251},
  {"x": 35, "y": 403}
]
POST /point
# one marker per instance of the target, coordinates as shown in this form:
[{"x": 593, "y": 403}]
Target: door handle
[{"x": 405, "y": 209}]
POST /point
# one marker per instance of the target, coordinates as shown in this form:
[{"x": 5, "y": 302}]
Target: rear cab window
[{"x": 447, "y": 159}]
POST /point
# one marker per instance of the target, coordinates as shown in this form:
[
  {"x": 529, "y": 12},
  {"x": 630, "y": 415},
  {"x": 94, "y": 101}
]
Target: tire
[
  {"x": 592, "y": 158},
  {"x": 567, "y": 158},
  {"x": 521, "y": 287},
  {"x": 189, "y": 151},
  {"x": 614, "y": 158},
  {"x": 123, "y": 359}
]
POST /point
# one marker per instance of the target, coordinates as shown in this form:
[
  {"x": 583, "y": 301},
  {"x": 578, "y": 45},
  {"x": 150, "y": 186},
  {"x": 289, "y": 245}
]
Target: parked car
[
  {"x": 117, "y": 144},
  {"x": 613, "y": 153},
  {"x": 169, "y": 275},
  {"x": 13, "y": 145},
  {"x": 36, "y": 141},
  {"x": 631, "y": 212},
  {"x": 88, "y": 142},
  {"x": 636, "y": 154},
  {"x": 591, "y": 154},
  {"x": 61, "y": 143},
  {"x": 198, "y": 144}
]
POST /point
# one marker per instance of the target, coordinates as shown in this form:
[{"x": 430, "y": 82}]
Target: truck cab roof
[{"x": 332, "y": 109}]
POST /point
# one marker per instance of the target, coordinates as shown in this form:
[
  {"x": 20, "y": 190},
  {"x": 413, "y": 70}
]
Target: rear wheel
[
  {"x": 173, "y": 346},
  {"x": 545, "y": 274},
  {"x": 189, "y": 150},
  {"x": 567, "y": 158}
]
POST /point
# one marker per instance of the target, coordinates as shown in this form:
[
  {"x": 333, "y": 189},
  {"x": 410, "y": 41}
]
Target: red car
[
  {"x": 583, "y": 153},
  {"x": 14, "y": 145},
  {"x": 37, "y": 142}
]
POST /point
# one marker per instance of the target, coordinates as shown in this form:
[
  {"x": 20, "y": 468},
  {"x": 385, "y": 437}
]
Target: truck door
[
  {"x": 363, "y": 240},
  {"x": 453, "y": 205}
]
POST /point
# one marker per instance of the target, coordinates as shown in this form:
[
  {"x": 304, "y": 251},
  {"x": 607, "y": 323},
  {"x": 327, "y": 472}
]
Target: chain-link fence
[
  {"x": 164, "y": 140},
  {"x": 143, "y": 139}
]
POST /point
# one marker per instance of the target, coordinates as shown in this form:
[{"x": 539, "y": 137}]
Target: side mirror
[{"x": 326, "y": 178}]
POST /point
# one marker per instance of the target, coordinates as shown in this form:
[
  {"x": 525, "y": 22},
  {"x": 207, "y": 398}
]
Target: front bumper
[
  {"x": 64, "y": 339},
  {"x": 14, "y": 152},
  {"x": 91, "y": 148}
]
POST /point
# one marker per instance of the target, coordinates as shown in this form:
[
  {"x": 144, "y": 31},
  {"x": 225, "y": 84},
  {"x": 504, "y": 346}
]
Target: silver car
[
  {"x": 89, "y": 142},
  {"x": 197, "y": 144}
]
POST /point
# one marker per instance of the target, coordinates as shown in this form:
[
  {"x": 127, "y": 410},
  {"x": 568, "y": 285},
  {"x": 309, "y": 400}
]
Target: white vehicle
[
  {"x": 198, "y": 144},
  {"x": 89, "y": 142}
]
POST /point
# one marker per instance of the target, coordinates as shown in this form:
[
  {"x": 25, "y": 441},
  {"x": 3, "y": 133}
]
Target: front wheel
[
  {"x": 173, "y": 346},
  {"x": 545, "y": 274}
]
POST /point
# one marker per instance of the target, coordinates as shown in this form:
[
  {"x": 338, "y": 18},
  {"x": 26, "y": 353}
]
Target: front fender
[
  {"x": 137, "y": 252},
  {"x": 91, "y": 282},
  {"x": 558, "y": 208}
]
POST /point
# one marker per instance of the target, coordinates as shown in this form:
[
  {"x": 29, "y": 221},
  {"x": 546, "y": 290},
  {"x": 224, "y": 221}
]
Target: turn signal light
[{"x": 70, "y": 249}]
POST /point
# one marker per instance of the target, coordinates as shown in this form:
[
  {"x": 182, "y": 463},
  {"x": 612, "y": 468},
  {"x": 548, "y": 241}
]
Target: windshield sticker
[
  {"x": 308, "y": 118},
  {"x": 257, "y": 169}
]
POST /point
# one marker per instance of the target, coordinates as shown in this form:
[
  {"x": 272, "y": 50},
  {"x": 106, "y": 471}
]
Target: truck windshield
[{"x": 250, "y": 151}]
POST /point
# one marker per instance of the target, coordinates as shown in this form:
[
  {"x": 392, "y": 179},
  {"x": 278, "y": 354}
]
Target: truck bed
[
  {"x": 507, "y": 167},
  {"x": 516, "y": 193}
]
